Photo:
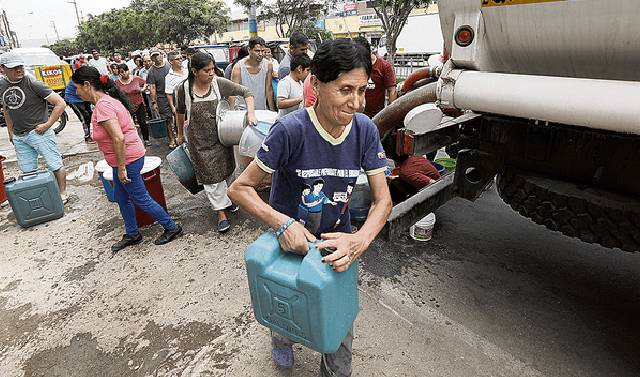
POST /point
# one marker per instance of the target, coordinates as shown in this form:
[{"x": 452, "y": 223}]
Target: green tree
[
  {"x": 149, "y": 22},
  {"x": 394, "y": 14},
  {"x": 292, "y": 15},
  {"x": 66, "y": 47},
  {"x": 118, "y": 29},
  {"x": 312, "y": 32},
  {"x": 180, "y": 21}
]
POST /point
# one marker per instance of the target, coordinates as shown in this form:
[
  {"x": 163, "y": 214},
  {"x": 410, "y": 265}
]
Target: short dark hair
[
  {"x": 172, "y": 55},
  {"x": 256, "y": 41},
  {"x": 362, "y": 41},
  {"x": 297, "y": 39},
  {"x": 336, "y": 56},
  {"x": 302, "y": 60},
  {"x": 123, "y": 67},
  {"x": 318, "y": 181}
]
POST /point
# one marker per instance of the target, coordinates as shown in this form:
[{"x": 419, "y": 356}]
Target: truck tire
[{"x": 592, "y": 215}]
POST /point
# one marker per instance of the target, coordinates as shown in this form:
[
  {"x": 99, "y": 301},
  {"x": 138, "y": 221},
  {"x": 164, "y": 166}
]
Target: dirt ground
[
  {"x": 489, "y": 301},
  {"x": 68, "y": 308}
]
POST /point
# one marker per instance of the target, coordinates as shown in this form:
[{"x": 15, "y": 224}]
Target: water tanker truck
[{"x": 544, "y": 97}]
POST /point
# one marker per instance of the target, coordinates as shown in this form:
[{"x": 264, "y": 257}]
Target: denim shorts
[{"x": 28, "y": 146}]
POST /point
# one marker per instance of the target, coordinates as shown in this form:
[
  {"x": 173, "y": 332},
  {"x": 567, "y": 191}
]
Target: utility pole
[
  {"x": 253, "y": 22},
  {"x": 11, "y": 35},
  {"x": 53, "y": 23},
  {"x": 75, "y": 4},
  {"x": 16, "y": 41}
]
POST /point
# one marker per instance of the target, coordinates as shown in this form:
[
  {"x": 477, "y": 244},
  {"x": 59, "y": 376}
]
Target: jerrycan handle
[
  {"x": 27, "y": 176},
  {"x": 327, "y": 251},
  {"x": 323, "y": 252}
]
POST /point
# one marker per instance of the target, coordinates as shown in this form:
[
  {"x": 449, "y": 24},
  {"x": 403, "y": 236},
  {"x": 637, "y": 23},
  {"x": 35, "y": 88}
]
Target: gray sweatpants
[{"x": 336, "y": 364}]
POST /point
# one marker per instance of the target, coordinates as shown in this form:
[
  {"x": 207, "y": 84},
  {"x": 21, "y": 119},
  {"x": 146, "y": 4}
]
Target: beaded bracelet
[{"x": 283, "y": 228}]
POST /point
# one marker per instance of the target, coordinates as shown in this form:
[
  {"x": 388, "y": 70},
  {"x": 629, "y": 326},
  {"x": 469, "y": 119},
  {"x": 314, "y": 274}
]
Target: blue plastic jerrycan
[
  {"x": 34, "y": 198},
  {"x": 301, "y": 297}
]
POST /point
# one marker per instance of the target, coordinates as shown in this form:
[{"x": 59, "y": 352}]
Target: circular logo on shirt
[{"x": 13, "y": 97}]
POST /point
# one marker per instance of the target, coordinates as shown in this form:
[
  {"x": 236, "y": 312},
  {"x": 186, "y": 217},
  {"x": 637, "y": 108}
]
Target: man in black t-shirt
[{"x": 159, "y": 102}]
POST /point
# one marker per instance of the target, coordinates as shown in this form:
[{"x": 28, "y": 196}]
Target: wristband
[{"x": 283, "y": 228}]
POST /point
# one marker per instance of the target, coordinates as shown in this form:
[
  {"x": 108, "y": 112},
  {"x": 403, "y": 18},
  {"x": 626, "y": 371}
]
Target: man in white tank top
[{"x": 255, "y": 73}]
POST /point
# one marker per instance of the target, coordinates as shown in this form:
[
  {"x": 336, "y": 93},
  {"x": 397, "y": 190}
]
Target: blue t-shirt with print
[{"x": 313, "y": 173}]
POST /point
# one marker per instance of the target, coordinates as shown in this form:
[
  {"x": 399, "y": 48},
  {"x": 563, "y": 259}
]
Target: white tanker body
[
  {"x": 550, "y": 92},
  {"x": 596, "y": 39}
]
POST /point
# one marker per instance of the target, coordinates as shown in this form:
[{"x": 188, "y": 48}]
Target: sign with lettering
[
  {"x": 497, "y": 3},
  {"x": 55, "y": 76},
  {"x": 370, "y": 20}
]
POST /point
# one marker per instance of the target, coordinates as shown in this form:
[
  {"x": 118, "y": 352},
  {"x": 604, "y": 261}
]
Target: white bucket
[
  {"x": 423, "y": 229},
  {"x": 150, "y": 163},
  {"x": 102, "y": 166}
]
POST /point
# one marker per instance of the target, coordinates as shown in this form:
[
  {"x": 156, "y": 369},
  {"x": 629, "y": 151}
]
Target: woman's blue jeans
[{"x": 135, "y": 193}]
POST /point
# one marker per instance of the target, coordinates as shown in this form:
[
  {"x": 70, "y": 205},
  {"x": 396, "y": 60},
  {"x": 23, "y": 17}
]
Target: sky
[{"x": 33, "y": 20}]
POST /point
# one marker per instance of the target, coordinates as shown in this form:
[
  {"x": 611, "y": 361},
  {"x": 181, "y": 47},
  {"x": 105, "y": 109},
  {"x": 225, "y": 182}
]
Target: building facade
[{"x": 347, "y": 19}]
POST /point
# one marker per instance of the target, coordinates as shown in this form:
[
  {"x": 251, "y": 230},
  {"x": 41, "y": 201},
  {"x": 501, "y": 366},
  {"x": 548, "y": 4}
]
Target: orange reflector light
[{"x": 464, "y": 36}]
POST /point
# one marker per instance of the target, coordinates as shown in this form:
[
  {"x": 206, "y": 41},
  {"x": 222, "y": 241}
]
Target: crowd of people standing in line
[
  {"x": 312, "y": 155},
  {"x": 171, "y": 87}
]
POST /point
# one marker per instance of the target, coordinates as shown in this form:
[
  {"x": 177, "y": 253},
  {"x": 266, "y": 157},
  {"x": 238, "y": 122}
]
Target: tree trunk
[{"x": 391, "y": 48}]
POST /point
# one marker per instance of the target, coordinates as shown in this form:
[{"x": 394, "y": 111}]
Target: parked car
[{"x": 220, "y": 53}]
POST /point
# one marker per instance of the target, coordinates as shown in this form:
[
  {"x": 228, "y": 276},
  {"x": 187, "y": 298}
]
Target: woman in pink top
[
  {"x": 133, "y": 87},
  {"x": 118, "y": 140}
]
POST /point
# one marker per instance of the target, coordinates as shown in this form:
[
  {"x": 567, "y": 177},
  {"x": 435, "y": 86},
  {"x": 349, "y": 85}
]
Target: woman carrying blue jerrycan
[{"x": 315, "y": 155}]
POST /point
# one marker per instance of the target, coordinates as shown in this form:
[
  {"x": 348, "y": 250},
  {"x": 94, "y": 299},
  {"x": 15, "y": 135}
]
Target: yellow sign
[
  {"x": 55, "y": 76},
  {"x": 498, "y": 3}
]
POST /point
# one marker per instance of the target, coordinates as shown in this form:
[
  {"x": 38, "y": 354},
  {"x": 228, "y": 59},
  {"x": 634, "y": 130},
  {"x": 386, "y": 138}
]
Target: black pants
[
  {"x": 140, "y": 115},
  {"x": 147, "y": 104},
  {"x": 165, "y": 113},
  {"x": 83, "y": 112}
]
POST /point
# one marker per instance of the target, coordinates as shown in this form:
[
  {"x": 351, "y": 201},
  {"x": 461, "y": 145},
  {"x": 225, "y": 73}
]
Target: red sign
[{"x": 350, "y": 6}]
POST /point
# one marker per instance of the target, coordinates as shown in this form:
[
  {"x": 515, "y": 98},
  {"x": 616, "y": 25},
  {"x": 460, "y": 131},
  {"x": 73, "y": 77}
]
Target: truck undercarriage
[{"x": 572, "y": 180}]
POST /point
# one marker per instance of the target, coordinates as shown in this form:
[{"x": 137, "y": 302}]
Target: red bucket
[
  {"x": 151, "y": 176},
  {"x": 3, "y": 195},
  {"x": 154, "y": 186}
]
